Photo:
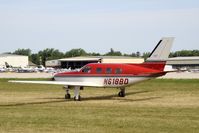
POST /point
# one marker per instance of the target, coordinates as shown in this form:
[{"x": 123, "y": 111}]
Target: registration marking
[{"x": 116, "y": 81}]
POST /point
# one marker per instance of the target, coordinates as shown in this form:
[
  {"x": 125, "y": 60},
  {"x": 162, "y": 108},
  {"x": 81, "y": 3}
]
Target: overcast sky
[{"x": 98, "y": 25}]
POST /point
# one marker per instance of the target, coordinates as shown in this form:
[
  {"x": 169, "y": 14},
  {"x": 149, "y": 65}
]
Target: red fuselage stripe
[{"x": 109, "y": 75}]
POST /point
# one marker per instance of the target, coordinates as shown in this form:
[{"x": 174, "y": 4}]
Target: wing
[{"x": 86, "y": 84}]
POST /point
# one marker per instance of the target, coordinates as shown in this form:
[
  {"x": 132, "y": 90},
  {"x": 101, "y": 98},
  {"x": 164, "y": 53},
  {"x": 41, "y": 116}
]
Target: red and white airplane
[{"x": 114, "y": 75}]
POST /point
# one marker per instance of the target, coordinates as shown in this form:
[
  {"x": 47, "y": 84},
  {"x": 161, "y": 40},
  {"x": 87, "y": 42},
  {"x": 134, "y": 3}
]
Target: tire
[
  {"x": 121, "y": 94},
  {"x": 67, "y": 96},
  {"x": 79, "y": 98}
]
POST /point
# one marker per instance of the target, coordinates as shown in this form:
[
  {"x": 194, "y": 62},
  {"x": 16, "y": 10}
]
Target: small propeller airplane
[{"x": 113, "y": 75}]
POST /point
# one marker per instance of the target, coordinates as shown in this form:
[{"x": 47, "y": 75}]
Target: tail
[
  {"x": 158, "y": 57},
  {"x": 162, "y": 50}
]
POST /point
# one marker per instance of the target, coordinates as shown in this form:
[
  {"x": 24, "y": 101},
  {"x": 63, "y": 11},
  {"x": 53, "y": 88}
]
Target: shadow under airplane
[{"x": 59, "y": 100}]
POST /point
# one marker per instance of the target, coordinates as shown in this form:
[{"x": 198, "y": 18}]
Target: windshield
[{"x": 86, "y": 69}]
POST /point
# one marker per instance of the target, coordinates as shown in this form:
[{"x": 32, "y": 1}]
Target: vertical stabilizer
[{"x": 162, "y": 50}]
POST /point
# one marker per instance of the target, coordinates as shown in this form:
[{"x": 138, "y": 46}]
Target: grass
[{"x": 161, "y": 105}]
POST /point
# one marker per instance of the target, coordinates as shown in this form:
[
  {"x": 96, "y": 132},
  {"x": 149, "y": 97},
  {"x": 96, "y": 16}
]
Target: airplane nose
[
  {"x": 52, "y": 79},
  {"x": 56, "y": 74}
]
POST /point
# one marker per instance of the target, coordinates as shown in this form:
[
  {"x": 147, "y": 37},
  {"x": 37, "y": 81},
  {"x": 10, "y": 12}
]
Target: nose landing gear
[{"x": 77, "y": 96}]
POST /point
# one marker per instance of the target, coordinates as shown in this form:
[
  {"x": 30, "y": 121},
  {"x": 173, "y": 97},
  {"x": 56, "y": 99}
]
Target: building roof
[
  {"x": 81, "y": 58},
  {"x": 192, "y": 60},
  {"x": 5, "y": 55},
  {"x": 184, "y": 58},
  {"x": 117, "y": 57}
]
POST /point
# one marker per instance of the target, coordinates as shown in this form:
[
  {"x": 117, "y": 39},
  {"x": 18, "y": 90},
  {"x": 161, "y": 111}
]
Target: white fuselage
[{"x": 104, "y": 81}]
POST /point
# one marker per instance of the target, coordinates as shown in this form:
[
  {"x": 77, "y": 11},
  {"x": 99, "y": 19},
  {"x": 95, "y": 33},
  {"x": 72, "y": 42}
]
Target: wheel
[
  {"x": 121, "y": 94},
  {"x": 67, "y": 96},
  {"x": 78, "y": 99}
]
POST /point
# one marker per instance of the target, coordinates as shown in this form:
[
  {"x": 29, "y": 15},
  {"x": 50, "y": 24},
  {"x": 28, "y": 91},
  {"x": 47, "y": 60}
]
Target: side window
[
  {"x": 118, "y": 71},
  {"x": 98, "y": 70},
  {"x": 108, "y": 70},
  {"x": 86, "y": 70}
]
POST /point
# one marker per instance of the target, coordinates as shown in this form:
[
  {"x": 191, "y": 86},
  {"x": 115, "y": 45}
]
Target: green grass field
[{"x": 156, "y": 106}]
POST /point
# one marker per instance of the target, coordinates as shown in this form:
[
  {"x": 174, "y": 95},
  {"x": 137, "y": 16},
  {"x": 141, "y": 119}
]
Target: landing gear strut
[
  {"x": 77, "y": 96},
  {"x": 122, "y": 92}
]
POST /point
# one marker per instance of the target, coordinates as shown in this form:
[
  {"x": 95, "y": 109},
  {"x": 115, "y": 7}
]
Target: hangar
[
  {"x": 53, "y": 63},
  {"x": 78, "y": 62},
  {"x": 13, "y": 60},
  {"x": 184, "y": 62}
]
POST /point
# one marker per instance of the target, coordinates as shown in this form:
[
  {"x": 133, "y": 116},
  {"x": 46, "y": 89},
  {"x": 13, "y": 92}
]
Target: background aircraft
[{"x": 113, "y": 75}]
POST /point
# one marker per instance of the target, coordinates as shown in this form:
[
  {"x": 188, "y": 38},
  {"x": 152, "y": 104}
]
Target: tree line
[{"x": 52, "y": 54}]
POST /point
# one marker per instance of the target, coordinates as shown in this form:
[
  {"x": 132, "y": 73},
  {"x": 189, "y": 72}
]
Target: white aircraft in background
[
  {"x": 114, "y": 75},
  {"x": 2, "y": 69},
  {"x": 25, "y": 70}
]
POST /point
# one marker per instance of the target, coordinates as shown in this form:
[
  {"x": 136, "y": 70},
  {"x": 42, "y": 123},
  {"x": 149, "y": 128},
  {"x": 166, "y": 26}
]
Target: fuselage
[{"x": 113, "y": 75}]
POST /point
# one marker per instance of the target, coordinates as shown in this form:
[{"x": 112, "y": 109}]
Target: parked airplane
[
  {"x": 114, "y": 75},
  {"x": 2, "y": 69},
  {"x": 25, "y": 70}
]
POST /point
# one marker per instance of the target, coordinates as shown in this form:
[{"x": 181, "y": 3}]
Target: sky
[{"x": 98, "y": 25}]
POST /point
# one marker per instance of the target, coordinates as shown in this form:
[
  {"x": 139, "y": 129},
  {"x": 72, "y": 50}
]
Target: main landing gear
[
  {"x": 67, "y": 95},
  {"x": 77, "y": 96},
  {"x": 122, "y": 92}
]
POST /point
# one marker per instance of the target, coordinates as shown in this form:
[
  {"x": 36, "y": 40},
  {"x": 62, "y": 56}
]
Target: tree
[
  {"x": 195, "y": 53},
  {"x": 133, "y": 54},
  {"x": 113, "y": 53},
  {"x": 138, "y": 54},
  {"x": 185, "y": 53},
  {"x": 35, "y": 58},
  {"x": 146, "y": 55},
  {"x": 76, "y": 52},
  {"x": 94, "y": 54},
  {"x": 126, "y": 54},
  {"x": 22, "y": 52},
  {"x": 49, "y": 54}
]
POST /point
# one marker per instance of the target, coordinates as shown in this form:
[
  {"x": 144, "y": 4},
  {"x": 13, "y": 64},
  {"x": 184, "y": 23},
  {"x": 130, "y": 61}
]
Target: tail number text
[{"x": 116, "y": 81}]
